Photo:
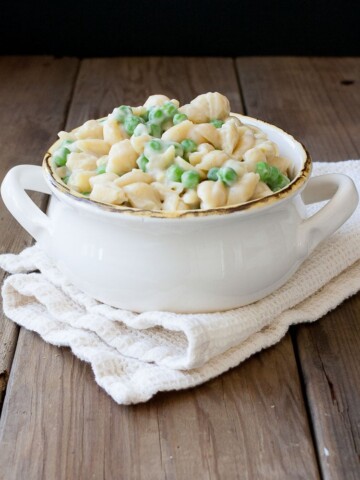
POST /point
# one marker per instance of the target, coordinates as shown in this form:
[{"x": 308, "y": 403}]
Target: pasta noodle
[
  {"x": 244, "y": 189},
  {"x": 142, "y": 195},
  {"x": 94, "y": 146},
  {"x": 90, "y": 129},
  {"x": 207, "y": 107},
  {"x": 212, "y": 194},
  {"x": 122, "y": 158},
  {"x": 113, "y": 132}
]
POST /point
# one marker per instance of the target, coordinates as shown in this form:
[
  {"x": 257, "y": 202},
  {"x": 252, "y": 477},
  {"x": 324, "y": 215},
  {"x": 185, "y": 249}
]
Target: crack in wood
[
  {"x": 4, "y": 378},
  {"x": 331, "y": 386},
  {"x": 344, "y": 410}
]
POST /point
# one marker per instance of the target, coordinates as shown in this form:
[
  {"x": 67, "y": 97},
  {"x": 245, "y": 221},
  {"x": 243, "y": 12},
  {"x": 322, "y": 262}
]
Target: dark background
[{"x": 173, "y": 27}]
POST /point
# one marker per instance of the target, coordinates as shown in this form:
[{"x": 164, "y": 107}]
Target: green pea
[
  {"x": 179, "y": 117},
  {"x": 217, "y": 123},
  {"x": 86, "y": 193},
  {"x": 131, "y": 122},
  {"x": 174, "y": 173},
  {"x": 157, "y": 115},
  {"x": 282, "y": 182},
  {"x": 213, "y": 174},
  {"x": 190, "y": 179},
  {"x": 263, "y": 169},
  {"x": 155, "y": 145},
  {"x": 101, "y": 169},
  {"x": 155, "y": 130},
  {"x": 66, "y": 143},
  {"x": 60, "y": 156},
  {"x": 121, "y": 113},
  {"x": 169, "y": 109},
  {"x": 227, "y": 175},
  {"x": 272, "y": 176},
  {"x": 142, "y": 162},
  {"x": 188, "y": 145},
  {"x": 65, "y": 179}
]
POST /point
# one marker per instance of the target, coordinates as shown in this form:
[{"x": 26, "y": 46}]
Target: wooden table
[{"x": 292, "y": 411}]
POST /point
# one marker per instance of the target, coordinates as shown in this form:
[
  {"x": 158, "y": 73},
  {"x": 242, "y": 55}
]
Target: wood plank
[
  {"x": 8, "y": 338},
  {"x": 34, "y": 93},
  {"x": 110, "y": 81},
  {"x": 329, "y": 354},
  {"x": 250, "y": 423},
  {"x": 318, "y": 100},
  {"x": 303, "y": 97}
]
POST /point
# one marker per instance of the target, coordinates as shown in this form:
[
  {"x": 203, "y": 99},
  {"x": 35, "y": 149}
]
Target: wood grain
[
  {"x": 329, "y": 355},
  {"x": 318, "y": 100},
  {"x": 242, "y": 425},
  {"x": 250, "y": 423},
  {"x": 34, "y": 94},
  {"x": 105, "y": 83},
  {"x": 305, "y": 96},
  {"x": 247, "y": 422}
]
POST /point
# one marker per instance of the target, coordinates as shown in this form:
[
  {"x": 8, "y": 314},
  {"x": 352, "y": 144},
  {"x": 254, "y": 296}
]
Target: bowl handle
[
  {"x": 20, "y": 205},
  {"x": 343, "y": 198}
]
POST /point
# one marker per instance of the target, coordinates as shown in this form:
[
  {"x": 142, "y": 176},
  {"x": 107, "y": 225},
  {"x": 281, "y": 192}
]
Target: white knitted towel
[{"x": 133, "y": 356}]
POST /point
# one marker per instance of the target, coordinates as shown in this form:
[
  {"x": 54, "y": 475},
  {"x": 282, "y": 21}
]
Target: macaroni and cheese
[{"x": 163, "y": 156}]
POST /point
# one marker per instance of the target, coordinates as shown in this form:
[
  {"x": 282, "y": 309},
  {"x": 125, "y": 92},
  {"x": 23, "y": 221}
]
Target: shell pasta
[{"x": 163, "y": 156}]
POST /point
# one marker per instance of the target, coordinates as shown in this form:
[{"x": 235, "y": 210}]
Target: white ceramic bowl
[{"x": 194, "y": 261}]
